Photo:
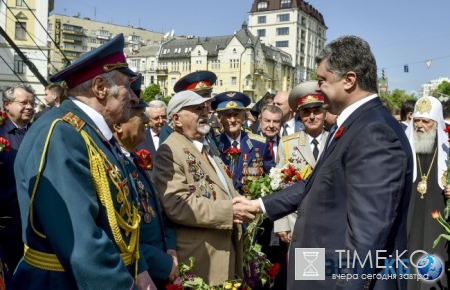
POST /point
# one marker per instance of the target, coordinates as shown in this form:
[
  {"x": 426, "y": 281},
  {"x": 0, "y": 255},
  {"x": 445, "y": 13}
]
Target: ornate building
[{"x": 293, "y": 26}]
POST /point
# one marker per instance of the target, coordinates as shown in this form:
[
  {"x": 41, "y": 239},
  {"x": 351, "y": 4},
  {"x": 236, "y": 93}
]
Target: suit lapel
[{"x": 346, "y": 125}]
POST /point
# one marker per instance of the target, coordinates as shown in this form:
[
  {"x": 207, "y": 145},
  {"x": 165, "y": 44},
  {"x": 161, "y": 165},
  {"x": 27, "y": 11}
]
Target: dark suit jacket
[
  {"x": 148, "y": 143},
  {"x": 356, "y": 199},
  {"x": 10, "y": 228}
]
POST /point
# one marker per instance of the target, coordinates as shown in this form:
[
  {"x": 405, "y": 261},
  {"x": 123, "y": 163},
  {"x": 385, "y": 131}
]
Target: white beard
[
  {"x": 424, "y": 143},
  {"x": 203, "y": 129}
]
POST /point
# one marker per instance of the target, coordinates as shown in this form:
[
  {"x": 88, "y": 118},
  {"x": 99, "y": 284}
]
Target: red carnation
[
  {"x": 3, "y": 117},
  {"x": 233, "y": 151},
  {"x": 273, "y": 271},
  {"x": 447, "y": 129},
  {"x": 4, "y": 145},
  {"x": 145, "y": 159},
  {"x": 339, "y": 132},
  {"x": 173, "y": 287}
]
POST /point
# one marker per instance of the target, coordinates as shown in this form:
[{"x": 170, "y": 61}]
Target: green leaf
[{"x": 447, "y": 237}]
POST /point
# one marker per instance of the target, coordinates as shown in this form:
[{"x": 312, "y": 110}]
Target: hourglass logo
[{"x": 309, "y": 264}]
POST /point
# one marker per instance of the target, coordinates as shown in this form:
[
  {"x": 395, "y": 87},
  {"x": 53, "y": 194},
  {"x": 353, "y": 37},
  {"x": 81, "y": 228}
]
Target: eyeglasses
[{"x": 25, "y": 103}]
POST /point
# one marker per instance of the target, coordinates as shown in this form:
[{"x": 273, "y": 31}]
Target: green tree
[
  {"x": 151, "y": 92},
  {"x": 443, "y": 90},
  {"x": 396, "y": 98},
  {"x": 314, "y": 76}
]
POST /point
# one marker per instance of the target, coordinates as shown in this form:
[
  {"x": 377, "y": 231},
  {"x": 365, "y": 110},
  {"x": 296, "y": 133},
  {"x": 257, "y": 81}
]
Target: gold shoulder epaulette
[
  {"x": 74, "y": 120},
  {"x": 257, "y": 137},
  {"x": 290, "y": 137}
]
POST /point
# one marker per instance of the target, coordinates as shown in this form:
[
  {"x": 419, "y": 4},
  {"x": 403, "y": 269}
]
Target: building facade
[
  {"x": 20, "y": 20},
  {"x": 293, "y": 26},
  {"x": 427, "y": 89},
  {"x": 75, "y": 36},
  {"x": 240, "y": 61}
]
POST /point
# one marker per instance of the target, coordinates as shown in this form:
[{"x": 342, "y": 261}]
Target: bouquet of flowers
[
  {"x": 256, "y": 265},
  {"x": 4, "y": 145},
  {"x": 3, "y": 117},
  {"x": 437, "y": 216},
  {"x": 186, "y": 280}
]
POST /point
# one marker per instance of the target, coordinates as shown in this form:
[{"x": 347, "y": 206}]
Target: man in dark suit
[
  {"x": 18, "y": 101},
  {"x": 53, "y": 95},
  {"x": 157, "y": 114},
  {"x": 291, "y": 123},
  {"x": 356, "y": 200}
]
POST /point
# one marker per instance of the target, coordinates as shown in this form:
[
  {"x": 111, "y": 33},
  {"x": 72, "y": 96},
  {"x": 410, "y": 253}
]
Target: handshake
[{"x": 244, "y": 210}]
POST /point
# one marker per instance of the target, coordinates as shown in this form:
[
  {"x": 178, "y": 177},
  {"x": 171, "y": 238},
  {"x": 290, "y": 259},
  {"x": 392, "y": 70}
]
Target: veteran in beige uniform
[
  {"x": 302, "y": 149},
  {"x": 196, "y": 194}
]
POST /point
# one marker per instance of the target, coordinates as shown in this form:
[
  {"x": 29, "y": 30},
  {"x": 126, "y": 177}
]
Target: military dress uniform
[
  {"x": 77, "y": 199},
  {"x": 255, "y": 158},
  {"x": 156, "y": 235}
]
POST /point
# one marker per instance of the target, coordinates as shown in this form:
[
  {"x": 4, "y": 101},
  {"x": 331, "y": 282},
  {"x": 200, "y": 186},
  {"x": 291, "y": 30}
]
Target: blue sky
[{"x": 400, "y": 32}]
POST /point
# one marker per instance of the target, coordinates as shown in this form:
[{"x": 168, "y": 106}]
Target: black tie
[
  {"x": 284, "y": 133},
  {"x": 316, "y": 148},
  {"x": 116, "y": 149},
  {"x": 235, "y": 144}
]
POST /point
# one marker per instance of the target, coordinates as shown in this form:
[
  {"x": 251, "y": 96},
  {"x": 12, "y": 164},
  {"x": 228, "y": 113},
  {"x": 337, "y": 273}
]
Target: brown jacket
[{"x": 195, "y": 199}]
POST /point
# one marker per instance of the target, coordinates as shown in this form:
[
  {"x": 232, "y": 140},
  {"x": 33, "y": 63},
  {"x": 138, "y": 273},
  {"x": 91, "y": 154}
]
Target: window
[
  {"x": 84, "y": 48},
  {"x": 233, "y": 81},
  {"x": 173, "y": 81},
  {"x": 285, "y": 4},
  {"x": 152, "y": 79},
  {"x": 220, "y": 82},
  {"x": 21, "y": 2},
  {"x": 283, "y": 17},
  {"x": 261, "y": 32},
  {"x": 94, "y": 33},
  {"x": 103, "y": 33},
  {"x": 284, "y": 43},
  {"x": 283, "y": 31},
  {"x": 261, "y": 19},
  {"x": 262, "y": 6},
  {"x": 21, "y": 30},
  {"x": 18, "y": 65},
  {"x": 234, "y": 50},
  {"x": 199, "y": 53},
  {"x": 133, "y": 62}
]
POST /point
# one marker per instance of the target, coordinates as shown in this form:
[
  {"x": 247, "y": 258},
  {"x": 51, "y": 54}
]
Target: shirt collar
[
  {"x": 353, "y": 107},
  {"x": 95, "y": 116},
  {"x": 238, "y": 139},
  {"x": 291, "y": 123},
  {"x": 318, "y": 138}
]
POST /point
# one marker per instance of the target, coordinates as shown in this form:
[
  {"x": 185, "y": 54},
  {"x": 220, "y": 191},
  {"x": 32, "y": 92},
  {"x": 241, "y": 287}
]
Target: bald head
[{"x": 281, "y": 101}]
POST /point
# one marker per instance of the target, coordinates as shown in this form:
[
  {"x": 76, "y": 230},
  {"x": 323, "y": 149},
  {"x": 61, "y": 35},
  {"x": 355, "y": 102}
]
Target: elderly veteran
[
  {"x": 196, "y": 194},
  {"x": 157, "y": 238},
  {"x": 255, "y": 158},
  {"x": 200, "y": 82},
  {"x": 77, "y": 199},
  {"x": 302, "y": 149}
]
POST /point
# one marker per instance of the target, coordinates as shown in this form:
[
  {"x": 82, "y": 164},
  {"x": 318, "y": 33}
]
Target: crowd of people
[{"x": 102, "y": 190}]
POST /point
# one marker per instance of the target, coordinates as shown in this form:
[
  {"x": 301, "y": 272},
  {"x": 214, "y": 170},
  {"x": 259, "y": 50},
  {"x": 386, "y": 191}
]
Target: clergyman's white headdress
[{"x": 431, "y": 108}]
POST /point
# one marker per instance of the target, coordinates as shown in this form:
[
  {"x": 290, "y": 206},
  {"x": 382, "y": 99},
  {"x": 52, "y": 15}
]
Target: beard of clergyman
[
  {"x": 202, "y": 126},
  {"x": 424, "y": 143}
]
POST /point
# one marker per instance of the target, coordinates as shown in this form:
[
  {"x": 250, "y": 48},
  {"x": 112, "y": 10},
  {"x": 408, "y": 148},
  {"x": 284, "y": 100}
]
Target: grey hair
[
  {"x": 351, "y": 53},
  {"x": 273, "y": 109},
  {"x": 8, "y": 94},
  {"x": 84, "y": 87},
  {"x": 156, "y": 104}
]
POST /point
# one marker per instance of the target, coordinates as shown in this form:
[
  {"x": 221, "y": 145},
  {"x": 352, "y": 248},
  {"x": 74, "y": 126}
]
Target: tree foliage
[
  {"x": 151, "y": 92},
  {"x": 443, "y": 89},
  {"x": 396, "y": 98}
]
